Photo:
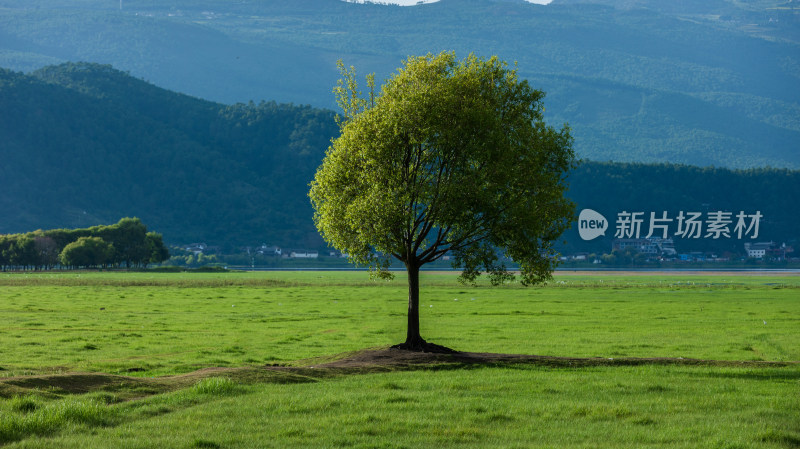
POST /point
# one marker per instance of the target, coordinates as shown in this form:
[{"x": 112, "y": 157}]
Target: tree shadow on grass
[{"x": 373, "y": 360}]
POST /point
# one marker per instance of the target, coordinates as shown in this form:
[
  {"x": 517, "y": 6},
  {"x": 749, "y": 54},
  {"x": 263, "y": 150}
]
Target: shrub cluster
[{"x": 126, "y": 243}]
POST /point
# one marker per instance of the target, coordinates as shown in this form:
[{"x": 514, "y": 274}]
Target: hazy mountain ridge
[{"x": 705, "y": 83}]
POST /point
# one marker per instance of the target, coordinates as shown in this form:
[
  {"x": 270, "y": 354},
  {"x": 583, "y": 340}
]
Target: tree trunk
[
  {"x": 413, "y": 338},
  {"x": 414, "y": 341}
]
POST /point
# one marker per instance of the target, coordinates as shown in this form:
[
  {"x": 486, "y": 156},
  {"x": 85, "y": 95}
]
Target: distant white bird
[{"x": 765, "y": 322}]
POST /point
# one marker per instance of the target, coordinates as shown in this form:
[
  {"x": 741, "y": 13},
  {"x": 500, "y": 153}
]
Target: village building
[
  {"x": 650, "y": 246},
  {"x": 303, "y": 254}
]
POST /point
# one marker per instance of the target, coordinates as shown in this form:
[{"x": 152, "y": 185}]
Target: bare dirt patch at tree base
[
  {"x": 312, "y": 370},
  {"x": 394, "y": 358}
]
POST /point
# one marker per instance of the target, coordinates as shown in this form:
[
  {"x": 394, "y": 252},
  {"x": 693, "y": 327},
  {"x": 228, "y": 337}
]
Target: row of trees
[
  {"x": 255, "y": 160},
  {"x": 126, "y": 243}
]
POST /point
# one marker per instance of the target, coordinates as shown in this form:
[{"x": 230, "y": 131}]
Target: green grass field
[{"x": 150, "y": 333}]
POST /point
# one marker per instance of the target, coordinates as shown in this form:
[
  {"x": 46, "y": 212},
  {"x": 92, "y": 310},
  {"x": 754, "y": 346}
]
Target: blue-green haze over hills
[{"x": 700, "y": 83}]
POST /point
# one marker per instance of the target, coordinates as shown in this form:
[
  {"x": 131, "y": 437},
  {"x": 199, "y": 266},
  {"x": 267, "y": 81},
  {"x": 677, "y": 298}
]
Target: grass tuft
[
  {"x": 23, "y": 404},
  {"x": 218, "y": 386},
  {"x": 52, "y": 417}
]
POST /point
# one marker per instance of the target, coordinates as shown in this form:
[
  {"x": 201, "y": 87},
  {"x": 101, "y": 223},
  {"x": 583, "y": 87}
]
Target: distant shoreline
[
  {"x": 575, "y": 272},
  {"x": 676, "y": 271}
]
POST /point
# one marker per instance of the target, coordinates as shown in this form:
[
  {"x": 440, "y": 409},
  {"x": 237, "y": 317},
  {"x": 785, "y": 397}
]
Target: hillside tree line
[{"x": 125, "y": 244}]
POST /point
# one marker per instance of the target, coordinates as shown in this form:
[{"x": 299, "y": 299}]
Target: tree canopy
[
  {"x": 451, "y": 156},
  {"x": 126, "y": 242},
  {"x": 87, "y": 252}
]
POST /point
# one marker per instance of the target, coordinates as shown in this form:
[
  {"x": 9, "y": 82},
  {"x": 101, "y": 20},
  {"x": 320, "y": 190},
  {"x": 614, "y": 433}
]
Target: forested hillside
[
  {"x": 612, "y": 188},
  {"x": 701, "y": 83},
  {"x": 85, "y": 144},
  {"x": 81, "y": 143}
]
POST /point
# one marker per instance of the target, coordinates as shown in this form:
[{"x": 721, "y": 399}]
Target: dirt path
[{"x": 311, "y": 370}]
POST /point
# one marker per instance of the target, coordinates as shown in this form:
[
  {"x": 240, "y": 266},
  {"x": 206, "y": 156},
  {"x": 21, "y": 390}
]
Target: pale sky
[{"x": 414, "y": 2}]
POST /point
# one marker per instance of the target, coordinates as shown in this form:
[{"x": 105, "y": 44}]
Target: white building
[
  {"x": 758, "y": 250},
  {"x": 304, "y": 254}
]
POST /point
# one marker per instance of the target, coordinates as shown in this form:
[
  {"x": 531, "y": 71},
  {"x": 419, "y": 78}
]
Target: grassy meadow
[{"x": 150, "y": 333}]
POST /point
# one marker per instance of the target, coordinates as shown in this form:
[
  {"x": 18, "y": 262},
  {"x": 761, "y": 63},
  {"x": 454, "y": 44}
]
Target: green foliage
[
  {"x": 155, "y": 248},
  {"x": 125, "y": 243},
  {"x": 28, "y": 417},
  {"x": 21, "y": 251},
  {"x": 451, "y": 156},
  {"x": 23, "y": 404},
  {"x": 87, "y": 252},
  {"x": 192, "y": 260}
]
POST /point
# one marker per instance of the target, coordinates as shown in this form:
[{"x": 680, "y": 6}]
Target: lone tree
[{"x": 451, "y": 156}]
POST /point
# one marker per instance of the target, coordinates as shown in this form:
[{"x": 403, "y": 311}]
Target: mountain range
[{"x": 711, "y": 83}]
